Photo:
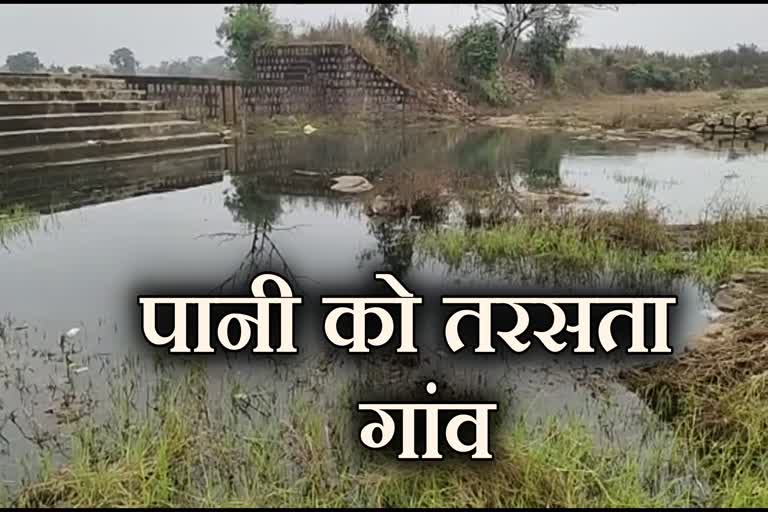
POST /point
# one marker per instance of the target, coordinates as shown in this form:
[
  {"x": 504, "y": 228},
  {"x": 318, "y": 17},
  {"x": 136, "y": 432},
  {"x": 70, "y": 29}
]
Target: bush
[
  {"x": 248, "y": 26},
  {"x": 730, "y": 94},
  {"x": 476, "y": 49}
]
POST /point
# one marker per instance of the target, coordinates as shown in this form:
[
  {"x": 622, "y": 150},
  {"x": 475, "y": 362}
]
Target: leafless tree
[{"x": 514, "y": 20}]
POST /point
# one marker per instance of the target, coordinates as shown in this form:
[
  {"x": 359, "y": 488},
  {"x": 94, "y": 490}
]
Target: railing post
[
  {"x": 223, "y": 104},
  {"x": 235, "y": 103}
]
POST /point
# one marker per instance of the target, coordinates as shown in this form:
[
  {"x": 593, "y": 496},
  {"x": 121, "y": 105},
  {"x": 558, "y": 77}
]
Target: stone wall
[
  {"x": 295, "y": 79},
  {"x": 326, "y": 78},
  {"x": 747, "y": 124}
]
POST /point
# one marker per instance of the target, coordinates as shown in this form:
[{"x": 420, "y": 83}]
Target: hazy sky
[{"x": 86, "y": 34}]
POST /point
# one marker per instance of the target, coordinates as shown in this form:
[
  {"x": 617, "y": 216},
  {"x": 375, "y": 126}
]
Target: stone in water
[{"x": 351, "y": 184}]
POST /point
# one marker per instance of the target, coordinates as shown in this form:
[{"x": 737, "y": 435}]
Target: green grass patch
[
  {"x": 182, "y": 452},
  {"x": 16, "y": 221},
  {"x": 615, "y": 242}
]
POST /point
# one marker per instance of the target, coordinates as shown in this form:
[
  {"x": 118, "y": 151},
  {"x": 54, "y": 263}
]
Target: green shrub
[
  {"x": 476, "y": 49},
  {"x": 730, "y": 94}
]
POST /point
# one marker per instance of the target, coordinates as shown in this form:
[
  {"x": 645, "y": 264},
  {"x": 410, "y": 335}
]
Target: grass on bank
[
  {"x": 715, "y": 396},
  {"x": 180, "y": 453},
  {"x": 635, "y": 239}
]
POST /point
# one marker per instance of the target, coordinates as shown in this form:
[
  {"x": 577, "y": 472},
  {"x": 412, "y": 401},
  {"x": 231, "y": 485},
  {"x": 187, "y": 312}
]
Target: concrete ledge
[
  {"x": 48, "y": 136},
  {"x": 124, "y": 157},
  {"x": 83, "y": 150},
  {"x": 70, "y": 94},
  {"x": 55, "y": 82},
  {"x": 28, "y": 108},
  {"x": 43, "y": 121}
]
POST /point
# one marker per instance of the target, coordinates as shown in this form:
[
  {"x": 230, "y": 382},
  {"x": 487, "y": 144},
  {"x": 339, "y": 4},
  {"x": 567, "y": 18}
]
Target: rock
[
  {"x": 730, "y": 297},
  {"x": 697, "y": 127},
  {"x": 572, "y": 192},
  {"x": 351, "y": 184},
  {"x": 728, "y": 121},
  {"x": 722, "y": 129},
  {"x": 759, "y": 121},
  {"x": 741, "y": 122},
  {"x": 713, "y": 121},
  {"x": 309, "y": 129},
  {"x": 379, "y": 205},
  {"x": 307, "y": 173}
]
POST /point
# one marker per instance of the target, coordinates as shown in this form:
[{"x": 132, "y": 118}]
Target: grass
[
  {"x": 180, "y": 453},
  {"x": 15, "y": 221},
  {"x": 716, "y": 396},
  {"x": 635, "y": 239}
]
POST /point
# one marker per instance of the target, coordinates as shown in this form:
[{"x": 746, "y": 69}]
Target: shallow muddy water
[{"x": 107, "y": 235}]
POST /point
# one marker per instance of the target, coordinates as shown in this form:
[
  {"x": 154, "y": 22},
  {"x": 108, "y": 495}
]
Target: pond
[{"x": 107, "y": 235}]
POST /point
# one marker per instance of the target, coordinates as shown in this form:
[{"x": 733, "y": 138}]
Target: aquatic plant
[{"x": 15, "y": 221}]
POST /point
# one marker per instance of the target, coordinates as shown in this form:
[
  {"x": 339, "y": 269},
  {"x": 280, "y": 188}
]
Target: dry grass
[
  {"x": 650, "y": 111},
  {"x": 434, "y": 65},
  {"x": 717, "y": 394}
]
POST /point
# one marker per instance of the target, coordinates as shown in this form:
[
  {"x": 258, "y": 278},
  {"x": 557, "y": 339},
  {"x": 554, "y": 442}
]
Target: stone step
[
  {"x": 11, "y": 81},
  {"x": 49, "y": 136},
  {"x": 49, "y": 190},
  {"x": 27, "y": 108},
  {"x": 42, "y": 121},
  {"x": 94, "y": 149},
  {"x": 70, "y": 94},
  {"x": 121, "y": 158}
]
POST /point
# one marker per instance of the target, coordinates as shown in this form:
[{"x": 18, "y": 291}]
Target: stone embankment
[{"x": 746, "y": 124}]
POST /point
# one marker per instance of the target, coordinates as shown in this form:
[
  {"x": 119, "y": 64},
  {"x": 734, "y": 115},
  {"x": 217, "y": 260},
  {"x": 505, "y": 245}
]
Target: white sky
[{"x": 85, "y": 34}]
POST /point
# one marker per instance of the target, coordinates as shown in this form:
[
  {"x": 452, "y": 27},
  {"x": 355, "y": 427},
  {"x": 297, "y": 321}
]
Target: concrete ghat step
[
  {"x": 70, "y": 94},
  {"x": 41, "y": 121},
  {"x": 59, "y": 82},
  {"x": 30, "y": 108},
  {"x": 94, "y": 149},
  {"x": 47, "y": 136},
  {"x": 126, "y": 157},
  {"x": 49, "y": 190}
]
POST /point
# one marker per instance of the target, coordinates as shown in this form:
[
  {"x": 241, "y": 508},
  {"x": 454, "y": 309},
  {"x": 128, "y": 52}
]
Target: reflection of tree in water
[
  {"x": 250, "y": 205},
  {"x": 394, "y": 244},
  {"x": 543, "y": 154},
  {"x": 507, "y": 156},
  {"x": 259, "y": 212}
]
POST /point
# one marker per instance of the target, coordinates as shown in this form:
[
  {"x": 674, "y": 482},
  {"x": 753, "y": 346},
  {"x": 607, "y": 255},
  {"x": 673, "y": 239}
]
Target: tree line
[
  {"x": 478, "y": 59},
  {"x": 123, "y": 61}
]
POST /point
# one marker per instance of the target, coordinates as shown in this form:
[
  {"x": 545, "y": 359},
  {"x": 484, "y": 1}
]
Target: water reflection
[{"x": 683, "y": 179}]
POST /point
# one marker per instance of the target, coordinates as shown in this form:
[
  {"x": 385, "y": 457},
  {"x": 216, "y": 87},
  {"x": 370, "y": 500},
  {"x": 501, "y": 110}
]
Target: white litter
[{"x": 72, "y": 332}]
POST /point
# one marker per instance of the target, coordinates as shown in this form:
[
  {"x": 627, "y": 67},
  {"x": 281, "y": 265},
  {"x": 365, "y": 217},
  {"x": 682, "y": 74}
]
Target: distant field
[{"x": 655, "y": 110}]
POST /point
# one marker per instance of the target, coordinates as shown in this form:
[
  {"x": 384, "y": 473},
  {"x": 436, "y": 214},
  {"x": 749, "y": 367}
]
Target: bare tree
[{"x": 514, "y": 20}]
